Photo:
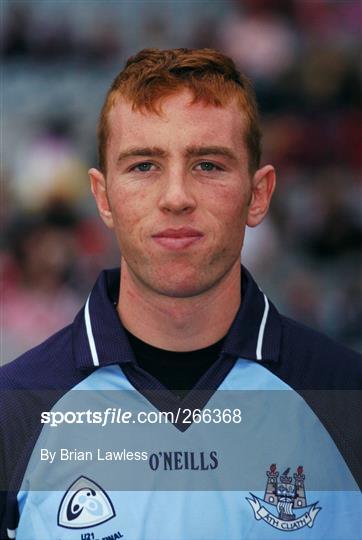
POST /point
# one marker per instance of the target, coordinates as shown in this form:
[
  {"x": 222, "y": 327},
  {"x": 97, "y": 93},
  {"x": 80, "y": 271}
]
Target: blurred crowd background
[{"x": 59, "y": 59}]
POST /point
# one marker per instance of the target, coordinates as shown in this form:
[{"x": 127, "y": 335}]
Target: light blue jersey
[
  {"x": 265, "y": 446},
  {"x": 315, "y": 500}
]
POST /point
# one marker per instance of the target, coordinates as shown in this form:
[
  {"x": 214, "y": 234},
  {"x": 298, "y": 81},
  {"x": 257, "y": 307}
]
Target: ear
[
  {"x": 99, "y": 190},
  {"x": 263, "y": 185}
]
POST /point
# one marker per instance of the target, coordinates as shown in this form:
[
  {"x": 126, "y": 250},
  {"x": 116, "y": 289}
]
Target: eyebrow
[
  {"x": 152, "y": 151},
  {"x": 191, "y": 151}
]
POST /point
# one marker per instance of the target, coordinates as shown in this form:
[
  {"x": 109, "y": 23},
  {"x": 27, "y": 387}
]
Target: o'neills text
[{"x": 180, "y": 461}]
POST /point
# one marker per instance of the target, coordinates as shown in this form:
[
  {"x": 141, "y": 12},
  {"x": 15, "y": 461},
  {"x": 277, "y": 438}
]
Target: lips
[{"x": 177, "y": 238}]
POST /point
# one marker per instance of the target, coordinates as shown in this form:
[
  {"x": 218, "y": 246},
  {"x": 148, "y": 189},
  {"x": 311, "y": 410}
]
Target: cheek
[
  {"x": 126, "y": 213},
  {"x": 124, "y": 205},
  {"x": 131, "y": 211},
  {"x": 230, "y": 209}
]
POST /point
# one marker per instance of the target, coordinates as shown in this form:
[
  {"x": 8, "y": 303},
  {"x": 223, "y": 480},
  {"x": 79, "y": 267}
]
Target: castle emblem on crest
[{"x": 284, "y": 493}]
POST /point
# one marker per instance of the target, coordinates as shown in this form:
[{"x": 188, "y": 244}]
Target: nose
[{"x": 176, "y": 194}]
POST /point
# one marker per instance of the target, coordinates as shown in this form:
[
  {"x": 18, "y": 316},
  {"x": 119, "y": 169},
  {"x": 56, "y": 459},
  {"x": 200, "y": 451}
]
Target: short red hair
[{"x": 212, "y": 77}]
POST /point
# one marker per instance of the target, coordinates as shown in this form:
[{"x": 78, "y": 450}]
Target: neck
[{"x": 179, "y": 324}]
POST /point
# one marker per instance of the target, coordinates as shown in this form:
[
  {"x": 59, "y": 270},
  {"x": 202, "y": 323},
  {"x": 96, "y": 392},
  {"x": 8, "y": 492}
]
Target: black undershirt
[{"x": 177, "y": 371}]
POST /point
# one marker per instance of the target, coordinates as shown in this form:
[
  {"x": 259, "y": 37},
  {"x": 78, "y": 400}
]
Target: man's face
[{"x": 177, "y": 192}]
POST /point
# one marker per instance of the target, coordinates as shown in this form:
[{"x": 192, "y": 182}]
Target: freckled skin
[
  {"x": 214, "y": 193},
  {"x": 176, "y": 193}
]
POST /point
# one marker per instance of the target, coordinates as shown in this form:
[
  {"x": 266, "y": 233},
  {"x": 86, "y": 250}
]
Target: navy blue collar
[{"x": 100, "y": 340}]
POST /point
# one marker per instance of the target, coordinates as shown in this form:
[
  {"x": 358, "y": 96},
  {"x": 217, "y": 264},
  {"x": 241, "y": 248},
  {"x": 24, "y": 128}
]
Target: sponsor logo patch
[{"x": 85, "y": 504}]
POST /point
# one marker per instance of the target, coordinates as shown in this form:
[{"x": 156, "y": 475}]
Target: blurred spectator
[
  {"x": 38, "y": 34},
  {"x": 49, "y": 167},
  {"x": 51, "y": 261},
  {"x": 15, "y": 40},
  {"x": 266, "y": 57},
  {"x": 302, "y": 297},
  {"x": 37, "y": 300}
]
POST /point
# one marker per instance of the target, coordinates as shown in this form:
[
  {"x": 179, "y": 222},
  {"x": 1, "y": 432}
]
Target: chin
[
  {"x": 187, "y": 291},
  {"x": 180, "y": 280},
  {"x": 186, "y": 286}
]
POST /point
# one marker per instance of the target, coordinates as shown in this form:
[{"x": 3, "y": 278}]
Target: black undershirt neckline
[{"x": 177, "y": 371}]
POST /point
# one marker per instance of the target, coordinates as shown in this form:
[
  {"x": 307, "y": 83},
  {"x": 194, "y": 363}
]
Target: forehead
[{"x": 179, "y": 122}]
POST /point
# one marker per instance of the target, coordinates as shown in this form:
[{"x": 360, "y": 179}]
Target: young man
[{"x": 259, "y": 441}]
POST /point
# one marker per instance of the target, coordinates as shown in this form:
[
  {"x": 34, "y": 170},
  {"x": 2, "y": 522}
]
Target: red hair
[{"x": 212, "y": 77}]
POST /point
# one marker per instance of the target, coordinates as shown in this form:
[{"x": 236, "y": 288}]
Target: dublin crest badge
[{"x": 284, "y": 506}]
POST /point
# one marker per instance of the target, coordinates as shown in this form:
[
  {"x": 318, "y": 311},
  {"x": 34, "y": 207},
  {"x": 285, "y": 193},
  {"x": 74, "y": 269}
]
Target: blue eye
[
  {"x": 143, "y": 167},
  {"x": 207, "y": 166}
]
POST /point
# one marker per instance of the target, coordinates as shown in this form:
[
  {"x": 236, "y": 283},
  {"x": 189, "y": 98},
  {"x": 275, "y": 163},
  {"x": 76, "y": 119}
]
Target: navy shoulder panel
[
  {"x": 329, "y": 377},
  {"x": 32, "y": 383},
  {"x": 310, "y": 360},
  {"x": 46, "y": 366}
]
